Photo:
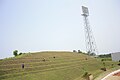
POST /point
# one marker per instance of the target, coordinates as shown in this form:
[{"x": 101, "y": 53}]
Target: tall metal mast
[{"x": 89, "y": 38}]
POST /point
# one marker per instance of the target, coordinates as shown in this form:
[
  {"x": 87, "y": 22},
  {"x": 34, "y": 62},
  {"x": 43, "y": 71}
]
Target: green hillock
[{"x": 52, "y": 66}]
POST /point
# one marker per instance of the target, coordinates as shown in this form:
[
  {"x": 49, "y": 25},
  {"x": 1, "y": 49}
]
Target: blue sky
[{"x": 38, "y": 25}]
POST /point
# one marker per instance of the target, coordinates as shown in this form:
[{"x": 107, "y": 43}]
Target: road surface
[{"x": 113, "y": 76}]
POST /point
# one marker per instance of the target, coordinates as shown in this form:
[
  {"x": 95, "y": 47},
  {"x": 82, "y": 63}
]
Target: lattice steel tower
[{"x": 89, "y": 38}]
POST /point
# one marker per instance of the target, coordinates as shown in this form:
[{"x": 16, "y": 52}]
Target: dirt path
[{"x": 113, "y": 76}]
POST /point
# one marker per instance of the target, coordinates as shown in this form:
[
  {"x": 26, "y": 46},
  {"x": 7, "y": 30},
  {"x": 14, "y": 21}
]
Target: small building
[{"x": 115, "y": 56}]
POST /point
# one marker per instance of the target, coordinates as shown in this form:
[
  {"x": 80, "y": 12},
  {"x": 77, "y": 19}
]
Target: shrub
[
  {"x": 104, "y": 69},
  {"x": 118, "y": 64},
  {"x": 43, "y": 59},
  {"x": 85, "y": 74},
  {"x": 20, "y": 53},
  {"x": 102, "y": 60}
]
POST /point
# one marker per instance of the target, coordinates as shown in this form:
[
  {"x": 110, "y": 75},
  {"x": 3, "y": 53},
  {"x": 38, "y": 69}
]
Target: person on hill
[{"x": 23, "y": 66}]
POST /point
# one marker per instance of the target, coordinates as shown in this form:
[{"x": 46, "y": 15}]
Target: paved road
[{"x": 111, "y": 77}]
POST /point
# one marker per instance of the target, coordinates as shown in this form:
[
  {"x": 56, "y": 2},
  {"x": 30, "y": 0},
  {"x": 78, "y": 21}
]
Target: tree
[
  {"x": 15, "y": 53},
  {"x": 79, "y": 51},
  {"x": 104, "y": 55},
  {"x": 74, "y": 50}
]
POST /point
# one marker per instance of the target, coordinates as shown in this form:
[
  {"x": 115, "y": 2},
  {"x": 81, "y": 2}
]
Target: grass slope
[{"x": 65, "y": 66}]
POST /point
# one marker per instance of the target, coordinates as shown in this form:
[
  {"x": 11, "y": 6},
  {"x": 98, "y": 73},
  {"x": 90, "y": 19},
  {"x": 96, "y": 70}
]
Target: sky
[{"x": 43, "y": 25}]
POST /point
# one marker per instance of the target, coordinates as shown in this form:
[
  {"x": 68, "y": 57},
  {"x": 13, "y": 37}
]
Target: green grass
[{"x": 65, "y": 66}]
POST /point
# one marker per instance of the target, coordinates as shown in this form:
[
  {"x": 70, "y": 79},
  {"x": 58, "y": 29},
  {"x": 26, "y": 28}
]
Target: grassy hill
[{"x": 57, "y": 66}]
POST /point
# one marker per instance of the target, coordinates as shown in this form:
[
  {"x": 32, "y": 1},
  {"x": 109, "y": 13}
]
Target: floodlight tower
[{"x": 89, "y": 38}]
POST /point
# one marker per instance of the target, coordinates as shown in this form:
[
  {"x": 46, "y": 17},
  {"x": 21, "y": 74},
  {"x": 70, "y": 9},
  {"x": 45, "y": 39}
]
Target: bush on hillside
[
  {"x": 44, "y": 59},
  {"x": 20, "y": 53},
  {"x": 104, "y": 69},
  {"x": 118, "y": 64},
  {"x": 85, "y": 74}
]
